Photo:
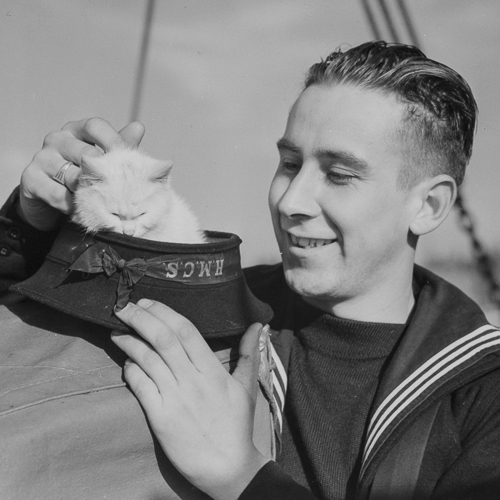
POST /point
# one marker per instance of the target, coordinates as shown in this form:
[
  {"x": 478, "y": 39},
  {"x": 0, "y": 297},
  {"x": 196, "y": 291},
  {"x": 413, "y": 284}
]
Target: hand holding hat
[{"x": 202, "y": 416}]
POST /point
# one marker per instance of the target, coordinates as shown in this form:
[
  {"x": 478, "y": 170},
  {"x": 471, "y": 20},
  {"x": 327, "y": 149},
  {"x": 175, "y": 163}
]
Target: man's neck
[{"x": 390, "y": 305}]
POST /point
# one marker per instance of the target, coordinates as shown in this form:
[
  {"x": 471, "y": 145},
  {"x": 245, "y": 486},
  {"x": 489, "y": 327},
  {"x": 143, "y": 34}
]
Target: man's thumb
[{"x": 247, "y": 369}]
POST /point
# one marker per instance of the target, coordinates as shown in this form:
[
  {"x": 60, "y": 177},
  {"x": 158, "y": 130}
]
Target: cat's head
[{"x": 124, "y": 190}]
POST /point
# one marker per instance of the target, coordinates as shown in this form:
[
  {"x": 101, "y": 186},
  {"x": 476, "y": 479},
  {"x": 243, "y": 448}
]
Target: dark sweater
[
  {"x": 335, "y": 369},
  {"x": 461, "y": 455}
]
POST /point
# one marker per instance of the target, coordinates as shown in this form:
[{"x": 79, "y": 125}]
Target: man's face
[{"x": 340, "y": 219}]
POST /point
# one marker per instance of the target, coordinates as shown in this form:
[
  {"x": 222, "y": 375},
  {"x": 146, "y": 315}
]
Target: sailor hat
[{"x": 87, "y": 276}]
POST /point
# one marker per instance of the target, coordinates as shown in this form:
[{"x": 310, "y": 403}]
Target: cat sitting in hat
[{"x": 131, "y": 237}]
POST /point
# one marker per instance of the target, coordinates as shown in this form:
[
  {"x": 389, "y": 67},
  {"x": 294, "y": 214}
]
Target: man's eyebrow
[
  {"x": 286, "y": 144},
  {"x": 337, "y": 155},
  {"x": 345, "y": 158}
]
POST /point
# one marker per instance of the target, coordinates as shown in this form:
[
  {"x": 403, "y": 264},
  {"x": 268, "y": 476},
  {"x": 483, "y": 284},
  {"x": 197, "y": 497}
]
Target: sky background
[{"x": 221, "y": 78}]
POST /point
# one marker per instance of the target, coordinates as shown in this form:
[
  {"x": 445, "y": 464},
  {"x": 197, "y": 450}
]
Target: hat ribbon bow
[{"x": 100, "y": 258}]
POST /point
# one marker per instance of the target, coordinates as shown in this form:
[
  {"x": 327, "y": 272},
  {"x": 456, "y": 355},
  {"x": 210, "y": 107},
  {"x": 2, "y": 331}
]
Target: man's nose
[{"x": 300, "y": 197}]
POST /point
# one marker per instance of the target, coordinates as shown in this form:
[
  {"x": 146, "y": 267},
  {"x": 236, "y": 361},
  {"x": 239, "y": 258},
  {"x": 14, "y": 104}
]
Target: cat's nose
[{"x": 129, "y": 232}]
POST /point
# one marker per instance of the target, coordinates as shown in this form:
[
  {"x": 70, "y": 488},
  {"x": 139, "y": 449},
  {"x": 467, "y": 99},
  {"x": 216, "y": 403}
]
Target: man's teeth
[{"x": 309, "y": 242}]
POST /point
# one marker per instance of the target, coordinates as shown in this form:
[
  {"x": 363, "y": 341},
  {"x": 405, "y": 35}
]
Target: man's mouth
[{"x": 309, "y": 242}]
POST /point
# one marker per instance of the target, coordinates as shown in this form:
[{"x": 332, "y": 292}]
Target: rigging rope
[
  {"x": 143, "y": 57},
  {"x": 483, "y": 260}
]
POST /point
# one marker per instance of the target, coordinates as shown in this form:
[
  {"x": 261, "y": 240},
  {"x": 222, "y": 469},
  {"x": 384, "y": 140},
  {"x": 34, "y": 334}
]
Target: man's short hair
[{"x": 440, "y": 111}]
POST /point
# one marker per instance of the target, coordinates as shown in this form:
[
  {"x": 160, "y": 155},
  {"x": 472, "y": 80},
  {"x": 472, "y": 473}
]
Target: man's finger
[
  {"x": 247, "y": 369},
  {"x": 145, "y": 357},
  {"x": 71, "y": 177},
  {"x": 142, "y": 386},
  {"x": 42, "y": 198},
  {"x": 133, "y": 133},
  {"x": 95, "y": 131},
  {"x": 71, "y": 173},
  {"x": 65, "y": 145},
  {"x": 189, "y": 337},
  {"x": 160, "y": 336}
]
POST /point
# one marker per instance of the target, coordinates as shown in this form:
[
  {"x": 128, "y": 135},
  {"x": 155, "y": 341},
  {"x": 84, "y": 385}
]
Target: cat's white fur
[{"x": 127, "y": 191}]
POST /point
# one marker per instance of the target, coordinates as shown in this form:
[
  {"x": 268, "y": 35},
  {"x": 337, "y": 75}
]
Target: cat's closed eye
[{"x": 128, "y": 218}]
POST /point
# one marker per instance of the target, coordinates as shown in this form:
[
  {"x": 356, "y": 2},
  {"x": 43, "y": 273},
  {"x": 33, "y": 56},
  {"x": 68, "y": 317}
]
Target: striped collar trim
[
  {"x": 424, "y": 381},
  {"x": 280, "y": 381}
]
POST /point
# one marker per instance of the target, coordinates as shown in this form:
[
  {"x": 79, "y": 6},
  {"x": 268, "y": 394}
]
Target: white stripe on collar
[
  {"x": 432, "y": 371},
  {"x": 280, "y": 381}
]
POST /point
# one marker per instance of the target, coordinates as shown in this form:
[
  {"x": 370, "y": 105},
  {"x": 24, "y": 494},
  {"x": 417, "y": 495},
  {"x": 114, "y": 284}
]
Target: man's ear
[{"x": 434, "y": 199}]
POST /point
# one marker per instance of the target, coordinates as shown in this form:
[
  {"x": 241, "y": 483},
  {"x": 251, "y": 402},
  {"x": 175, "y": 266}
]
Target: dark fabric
[
  {"x": 441, "y": 314},
  {"x": 22, "y": 247},
  {"x": 334, "y": 372},
  {"x": 272, "y": 483},
  {"x": 461, "y": 459},
  {"x": 397, "y": 476}
]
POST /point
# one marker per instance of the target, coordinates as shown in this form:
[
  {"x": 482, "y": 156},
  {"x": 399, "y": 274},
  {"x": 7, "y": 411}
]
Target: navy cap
[{"x": 87, "y": 276}]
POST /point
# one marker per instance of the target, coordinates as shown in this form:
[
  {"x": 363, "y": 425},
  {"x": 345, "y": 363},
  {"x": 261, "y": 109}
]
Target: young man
[
  {"x": 392, "y": 372},
  {"x": 387, "y": 363}
]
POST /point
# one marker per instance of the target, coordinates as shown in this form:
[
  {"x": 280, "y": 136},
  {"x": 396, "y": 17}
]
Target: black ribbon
[
  {"x": 102, "y": 258},
  {"x": 188, "y": 269}
]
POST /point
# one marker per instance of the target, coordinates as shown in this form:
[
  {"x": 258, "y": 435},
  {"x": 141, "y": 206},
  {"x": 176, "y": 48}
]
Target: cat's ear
[
  {"x": 162, "y": 171},
  {"x": 90, "y": 169}
]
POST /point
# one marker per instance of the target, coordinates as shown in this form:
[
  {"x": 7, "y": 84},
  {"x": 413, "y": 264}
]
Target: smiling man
[
  {"x": 392, "y": 372},
  {"x": 386, "y": 376}
]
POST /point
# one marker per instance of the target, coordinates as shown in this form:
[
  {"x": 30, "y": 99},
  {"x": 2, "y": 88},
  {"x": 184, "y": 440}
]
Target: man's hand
[
  {"x": 202, "y": 416},
  {"x": 41, "y": 198}
]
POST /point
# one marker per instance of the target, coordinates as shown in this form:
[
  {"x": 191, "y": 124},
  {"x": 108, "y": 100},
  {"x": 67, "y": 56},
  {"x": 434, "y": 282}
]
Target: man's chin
[{"x": 305, "y": 283}]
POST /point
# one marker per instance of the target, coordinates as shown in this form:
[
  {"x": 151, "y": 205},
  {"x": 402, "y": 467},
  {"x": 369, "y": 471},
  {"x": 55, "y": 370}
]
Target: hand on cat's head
[{"x": 42, "y": 199}]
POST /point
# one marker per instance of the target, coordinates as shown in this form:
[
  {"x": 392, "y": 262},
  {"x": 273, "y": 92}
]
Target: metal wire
[
  {"x": 388, "y": 19},
  {"x": 143, "y": 56},
  {"x": 371, "y": 20},
  {"x": 412, "y": 33}
]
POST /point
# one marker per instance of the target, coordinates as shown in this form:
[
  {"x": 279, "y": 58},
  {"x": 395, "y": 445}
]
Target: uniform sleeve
[
  {"x": 22, "y": 247},
  {"x": 272, "y": 483},
  {"x": 475, "y": 473}
]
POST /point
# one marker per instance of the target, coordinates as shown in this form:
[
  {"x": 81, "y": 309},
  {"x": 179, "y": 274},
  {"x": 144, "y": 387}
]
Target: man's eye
[
  {"x": 290, "y": 166},
  {"x": 340, "y": 178}
]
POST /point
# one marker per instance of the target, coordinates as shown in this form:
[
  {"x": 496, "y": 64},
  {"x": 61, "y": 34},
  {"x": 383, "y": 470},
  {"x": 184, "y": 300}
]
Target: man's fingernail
[
  {"x": 145, "y": 302},
  {"x": 117, "y": 309}
]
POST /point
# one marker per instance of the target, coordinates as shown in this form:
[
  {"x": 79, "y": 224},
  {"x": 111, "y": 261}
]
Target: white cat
[{"x": 127, "y": 191}]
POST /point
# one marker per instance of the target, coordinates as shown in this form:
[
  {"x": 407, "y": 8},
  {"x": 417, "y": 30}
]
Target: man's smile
[{"x": 309, "y": 242}]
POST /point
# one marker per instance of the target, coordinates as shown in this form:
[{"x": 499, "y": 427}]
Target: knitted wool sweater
[{"x": 335, "y": 369}]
